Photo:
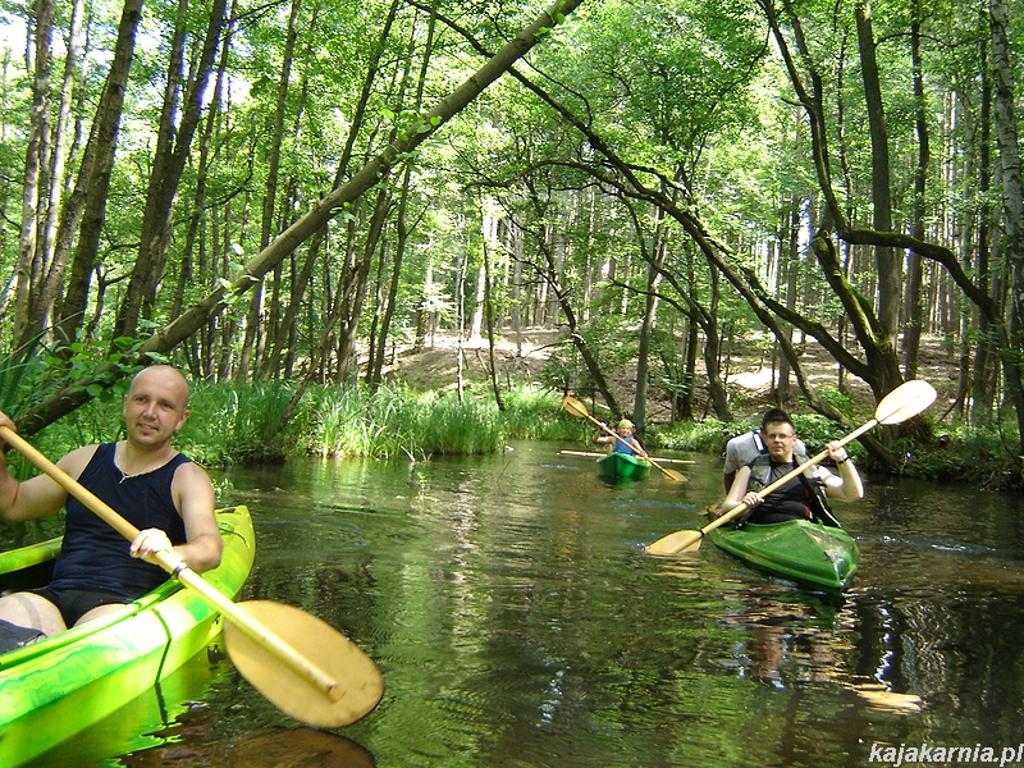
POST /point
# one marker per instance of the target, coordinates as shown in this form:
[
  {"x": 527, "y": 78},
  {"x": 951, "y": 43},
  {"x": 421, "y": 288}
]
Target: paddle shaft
[
  {"x": 597, "y": 455},
  {"x": 180, "y": 571}
]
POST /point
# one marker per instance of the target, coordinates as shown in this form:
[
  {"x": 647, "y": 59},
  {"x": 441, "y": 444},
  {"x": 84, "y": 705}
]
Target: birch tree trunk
[
  {"x": 29, "y": 266},
  {"x": 1013, "y": 207}
]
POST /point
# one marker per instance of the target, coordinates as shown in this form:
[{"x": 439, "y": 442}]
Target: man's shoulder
[
  {"x": 187, "y": 468},
  {"x": 741, "y": 440},
  {"x": 77, "y": 460}
]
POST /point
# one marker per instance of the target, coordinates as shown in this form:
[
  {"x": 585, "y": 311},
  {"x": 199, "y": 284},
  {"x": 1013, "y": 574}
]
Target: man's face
[
  {"x": 779, "y": 437},
  {"x": 155, "y": 406}
]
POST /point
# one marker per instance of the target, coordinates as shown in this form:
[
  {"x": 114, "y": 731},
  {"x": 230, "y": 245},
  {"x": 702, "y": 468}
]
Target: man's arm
[
  {"x": 732, "y": 460},
  {"x": 847, "y": 485},
  {"x": 41, "y": 495},
  {"x": 193, "y": 495},
  {"x": 737, "y": 491}
]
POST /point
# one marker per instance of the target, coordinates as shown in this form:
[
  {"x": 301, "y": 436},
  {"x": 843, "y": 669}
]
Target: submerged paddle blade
[
  {"x": 905, "y": 402},
  {"x": 575, "y": 407},
  {"x": 359, "y": 684},
  {"x": 674, "y": 543},
  {"x": 672, "y": 474}
]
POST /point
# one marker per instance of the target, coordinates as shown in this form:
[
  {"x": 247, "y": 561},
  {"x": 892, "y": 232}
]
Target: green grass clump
[
  {"x": 237, "y": 421},
  {"x": 395, "y": 421},
  {"x": 535, "y": 413},
  {"x": 708, "y": 436}
]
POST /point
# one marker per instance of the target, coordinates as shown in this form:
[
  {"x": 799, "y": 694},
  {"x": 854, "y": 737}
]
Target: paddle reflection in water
[{"x": 507, "y": 602}]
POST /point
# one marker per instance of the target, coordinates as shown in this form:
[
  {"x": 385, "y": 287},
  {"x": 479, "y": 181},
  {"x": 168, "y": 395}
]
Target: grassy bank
[{"x": 234, "y": 422}]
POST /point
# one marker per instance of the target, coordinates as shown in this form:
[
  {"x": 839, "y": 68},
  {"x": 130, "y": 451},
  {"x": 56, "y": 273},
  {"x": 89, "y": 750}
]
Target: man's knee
[{"x": 27, "y": 609}]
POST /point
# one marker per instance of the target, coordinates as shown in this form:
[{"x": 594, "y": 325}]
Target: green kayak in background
[
  {"x": 57, "y": 687},
  {"x": 622, "y": 466},
  {"x": 807, "y": 552}
]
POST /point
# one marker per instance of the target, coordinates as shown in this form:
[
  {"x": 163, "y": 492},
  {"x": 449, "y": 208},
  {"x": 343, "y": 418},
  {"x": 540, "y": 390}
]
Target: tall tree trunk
[
  {"x": 174, "y": 145},
  {"x": 27, "y": 321},
  {"x": 94, "y": 176},
  {"x": 1013, "y": 207},
  {"x": 887, "y": 263},
  {"x": 655, "y": 262},
  {"x": 194, "y": 231},
  {"x": 52, "y": 260},
  {"x": 490, "y": 239},
  {"x": 981, "y": 393},
  {"x": 254, "y": 338},
  {"x": 792, "y": 263},
  {"x": 913, "y": 328}
]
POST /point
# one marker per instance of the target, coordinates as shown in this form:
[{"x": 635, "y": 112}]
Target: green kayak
[
  {"x": 622, "y": 466},
  {"x": 807, "y": 552},
  {"x": 55, "y": 688}
]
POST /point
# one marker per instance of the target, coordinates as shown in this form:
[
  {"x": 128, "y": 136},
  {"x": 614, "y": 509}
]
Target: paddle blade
[
  {"x": 575, "y": 407},
  {"x": 905, "y": 402},
  {"x": 674, "y": 543},
  {"x": 359, "y": 683},
  {"x": 672, "y": 474}
]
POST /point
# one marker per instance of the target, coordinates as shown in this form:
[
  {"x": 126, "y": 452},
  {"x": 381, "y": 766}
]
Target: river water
[{"x": 517, "y": 623}]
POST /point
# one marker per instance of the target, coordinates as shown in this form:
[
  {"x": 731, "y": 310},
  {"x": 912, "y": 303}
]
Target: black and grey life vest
[{"x": 760, "y": 477}]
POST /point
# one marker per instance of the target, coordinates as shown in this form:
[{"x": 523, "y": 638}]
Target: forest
[{"x": 289, "y": 192}]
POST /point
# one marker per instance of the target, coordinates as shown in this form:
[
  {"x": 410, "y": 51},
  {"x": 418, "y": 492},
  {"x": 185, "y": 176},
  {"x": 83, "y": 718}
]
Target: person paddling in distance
[
  {"x": 744, "y": 448},
  {"x": 626, "y": 442},
  {"x": 805, "y": 496},
  {"x": 147, "y": 481}
]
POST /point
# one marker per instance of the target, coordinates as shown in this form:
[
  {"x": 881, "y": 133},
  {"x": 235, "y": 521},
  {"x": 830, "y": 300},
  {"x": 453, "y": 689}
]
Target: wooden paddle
[
  {"x": 904, "y": 402},
  {"x": 598, "y": 455},
  {"x": 576, "y": 408},
  {"x": 304, "y": 666}
]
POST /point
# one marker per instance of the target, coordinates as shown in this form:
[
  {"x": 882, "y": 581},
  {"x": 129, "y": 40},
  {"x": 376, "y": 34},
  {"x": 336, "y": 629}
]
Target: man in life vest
[
  {"x": 744, "y": 448},
  {"x": 805, "y": 496}
]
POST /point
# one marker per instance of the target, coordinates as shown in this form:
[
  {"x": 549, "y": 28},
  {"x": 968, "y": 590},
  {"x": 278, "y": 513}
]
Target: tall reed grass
[{"x": 242, "y": 422}]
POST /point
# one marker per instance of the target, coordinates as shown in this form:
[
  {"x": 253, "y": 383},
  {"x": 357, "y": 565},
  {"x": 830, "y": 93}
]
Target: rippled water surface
[{"x": 516, "y": 622}]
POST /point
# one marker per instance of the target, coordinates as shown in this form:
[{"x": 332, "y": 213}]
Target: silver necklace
[{"x": 126, "y": 476}]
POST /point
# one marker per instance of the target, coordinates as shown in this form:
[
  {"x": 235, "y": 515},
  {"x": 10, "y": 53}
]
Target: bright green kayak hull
[
  {"x": 56, "y": 688},
  {"x": 622, "y": 466},
  {"x": 798, "y": 549}
]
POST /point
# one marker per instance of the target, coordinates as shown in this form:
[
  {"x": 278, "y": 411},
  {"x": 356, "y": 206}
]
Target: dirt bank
[{"x": 750, "y": 374}]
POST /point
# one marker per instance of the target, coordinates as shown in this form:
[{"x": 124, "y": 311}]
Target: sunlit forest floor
[{"x": 750, "y": 372}]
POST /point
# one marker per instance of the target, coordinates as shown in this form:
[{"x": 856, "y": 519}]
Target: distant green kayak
[
  {"x": 622, "y": 466},
  {"x": 55, "y": 688},
  {"x": 807, "y": 552}
]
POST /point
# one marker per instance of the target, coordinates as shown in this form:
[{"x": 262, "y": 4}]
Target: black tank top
[{"x": 94, "y": 556}]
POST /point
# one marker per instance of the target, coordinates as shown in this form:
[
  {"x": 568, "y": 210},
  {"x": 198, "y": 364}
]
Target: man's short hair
[{"x": 776, "y": 415}]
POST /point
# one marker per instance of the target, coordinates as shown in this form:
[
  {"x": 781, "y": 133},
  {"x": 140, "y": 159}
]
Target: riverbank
[{"x": 956, "y": 452}]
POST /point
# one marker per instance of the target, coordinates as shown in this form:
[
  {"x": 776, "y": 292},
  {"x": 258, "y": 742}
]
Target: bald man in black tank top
[{"x": 147, "y": 481}]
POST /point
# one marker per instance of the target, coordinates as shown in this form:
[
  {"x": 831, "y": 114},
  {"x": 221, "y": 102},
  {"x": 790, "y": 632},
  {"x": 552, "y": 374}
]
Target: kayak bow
[
  {"x": 55, "y": 688},
  {"x": 622, "y": 466},
  {"x": 807, "y": 552}
]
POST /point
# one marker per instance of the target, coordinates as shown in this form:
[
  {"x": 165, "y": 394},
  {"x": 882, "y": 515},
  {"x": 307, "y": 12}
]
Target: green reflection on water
[{"x": 517, "y": 623}]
